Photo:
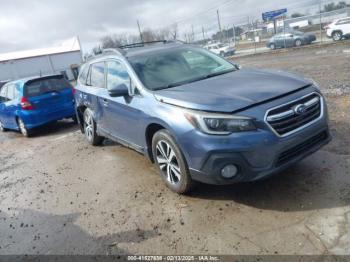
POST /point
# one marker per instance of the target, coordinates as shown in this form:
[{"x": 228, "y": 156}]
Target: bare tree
[{"x": 174, "y": 31}]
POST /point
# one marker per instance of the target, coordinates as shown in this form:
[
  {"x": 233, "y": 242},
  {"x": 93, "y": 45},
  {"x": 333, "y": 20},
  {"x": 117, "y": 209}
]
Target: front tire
[
  {"x": 171, "y": 163},
  {"x": 23, "y": 129},
  {"x": 90, "y": 129},
  {"x": 337, "y": 36}
]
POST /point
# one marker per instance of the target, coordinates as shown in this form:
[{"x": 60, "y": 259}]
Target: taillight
[
  {"x": 74, "y": 91},
  {"x": 25, "y": 104}
]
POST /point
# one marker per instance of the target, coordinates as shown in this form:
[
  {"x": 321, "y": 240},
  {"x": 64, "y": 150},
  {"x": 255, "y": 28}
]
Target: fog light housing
[{"x": 229, "y": 171}]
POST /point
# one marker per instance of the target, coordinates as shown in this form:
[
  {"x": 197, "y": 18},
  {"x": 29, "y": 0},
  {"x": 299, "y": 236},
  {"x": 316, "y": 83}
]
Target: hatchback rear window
[{"x": 44, "y": 86}]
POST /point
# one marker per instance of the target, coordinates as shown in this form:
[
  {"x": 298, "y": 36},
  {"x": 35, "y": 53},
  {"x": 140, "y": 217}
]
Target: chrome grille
[{"x": 289, "y": 118}]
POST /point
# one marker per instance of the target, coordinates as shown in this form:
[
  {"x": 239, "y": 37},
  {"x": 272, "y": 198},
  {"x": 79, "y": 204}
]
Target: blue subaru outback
[
  {"x": 32, "y": 102},
  {"x": 197, "y": 116}
]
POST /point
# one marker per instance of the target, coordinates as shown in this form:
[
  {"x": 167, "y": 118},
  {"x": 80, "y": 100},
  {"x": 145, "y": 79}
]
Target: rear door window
[
  {"x": 44, "y": 86},
  {"x": 97, "y": 75},
  {"x": 344, "y": 21}
]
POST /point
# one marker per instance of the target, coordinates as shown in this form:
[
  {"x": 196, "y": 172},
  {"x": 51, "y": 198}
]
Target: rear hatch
[{"x": 49, "y": 94}]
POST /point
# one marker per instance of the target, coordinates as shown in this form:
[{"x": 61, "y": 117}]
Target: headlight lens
[{"x": 219, "y": 124}]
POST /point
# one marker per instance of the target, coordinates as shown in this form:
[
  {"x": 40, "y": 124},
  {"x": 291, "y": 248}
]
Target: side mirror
[{"x": 119, "y": 90}]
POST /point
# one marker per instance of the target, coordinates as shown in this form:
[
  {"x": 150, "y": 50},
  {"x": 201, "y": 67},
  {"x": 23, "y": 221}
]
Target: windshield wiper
[
  {"x": 193, "y": 79},
  {"x": 180, "y": 83},
  {"x": 219, "y": 73}
]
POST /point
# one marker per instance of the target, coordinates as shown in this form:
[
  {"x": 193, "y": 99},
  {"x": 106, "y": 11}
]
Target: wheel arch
[
  {"x": 80, "y": 116},
  {"x": 151, "y": 128}
]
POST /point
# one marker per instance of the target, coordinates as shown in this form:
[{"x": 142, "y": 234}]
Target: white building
[{"x": 54, "y": 60}]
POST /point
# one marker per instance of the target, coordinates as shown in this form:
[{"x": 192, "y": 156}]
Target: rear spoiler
[{"x": 58, "y": 76}]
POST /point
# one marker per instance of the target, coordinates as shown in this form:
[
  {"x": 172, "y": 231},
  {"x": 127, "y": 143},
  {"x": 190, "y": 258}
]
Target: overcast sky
[{"x": 27, "y": 24}]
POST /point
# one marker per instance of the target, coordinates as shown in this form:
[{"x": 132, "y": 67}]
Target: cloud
[{"x": 35, "y": 24}]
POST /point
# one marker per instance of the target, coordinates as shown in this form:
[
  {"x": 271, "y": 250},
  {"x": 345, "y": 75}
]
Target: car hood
[{"x": 232, "y": 91}]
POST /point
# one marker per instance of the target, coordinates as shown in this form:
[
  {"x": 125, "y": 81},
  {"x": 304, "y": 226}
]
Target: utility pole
[
  {"x": 220, "y": 30},
  {"x": 320, "y": 9},
  {"x": 234, "y": 34},
  {"x": 192, "y": 33},
  {"x": 203, "y": 33},
  {"x": 138, "y": 25}
]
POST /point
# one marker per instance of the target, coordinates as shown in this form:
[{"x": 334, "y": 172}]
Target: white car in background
[
  {"x": 339, "y": 29},
  {"x": 221, "y": 49}
]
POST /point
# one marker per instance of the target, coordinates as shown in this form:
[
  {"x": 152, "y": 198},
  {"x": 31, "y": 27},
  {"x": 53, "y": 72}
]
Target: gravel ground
[{"x": 60, "y": 196}]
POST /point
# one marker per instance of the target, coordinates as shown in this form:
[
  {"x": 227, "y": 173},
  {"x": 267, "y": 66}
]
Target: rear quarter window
[{"x": 44, "y": 86}]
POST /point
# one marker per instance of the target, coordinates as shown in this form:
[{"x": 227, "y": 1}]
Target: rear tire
[
  {"x": 171, "y": 163},
  {"x": 272, "y": 46},
  {"x": 23, "y": 129},
  {"x": 90, "y": 129},
  {"x": 337, "y": 36},
  {"x": 298, "y": 43},
  {"x": 2, "y": 128}
]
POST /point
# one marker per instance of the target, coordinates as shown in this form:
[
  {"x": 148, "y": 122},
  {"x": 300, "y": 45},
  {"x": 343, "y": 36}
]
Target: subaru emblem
[{"x": 300, "y": 109}]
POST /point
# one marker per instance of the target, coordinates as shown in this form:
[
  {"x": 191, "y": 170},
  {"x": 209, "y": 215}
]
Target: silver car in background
[{"x": 290, "y": 39}]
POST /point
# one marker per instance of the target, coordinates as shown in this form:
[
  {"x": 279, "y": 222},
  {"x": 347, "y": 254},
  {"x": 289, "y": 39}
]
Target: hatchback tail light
[
  {"x": 25, "y": 104},
  {"x": 74, "y": 91}
]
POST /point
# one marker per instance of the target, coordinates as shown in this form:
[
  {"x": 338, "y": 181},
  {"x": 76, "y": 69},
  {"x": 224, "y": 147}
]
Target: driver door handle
[{"x": 105, "y": 102}]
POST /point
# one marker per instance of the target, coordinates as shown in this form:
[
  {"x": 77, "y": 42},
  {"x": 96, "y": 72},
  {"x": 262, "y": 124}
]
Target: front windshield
[{"x": 178, "y": 66}]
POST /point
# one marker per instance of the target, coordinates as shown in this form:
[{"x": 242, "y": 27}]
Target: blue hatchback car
[
  {"x": 197, "y": 116},
  {"x": 32, "y": 102}
]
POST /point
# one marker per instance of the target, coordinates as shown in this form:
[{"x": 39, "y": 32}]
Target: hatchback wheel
[
  {"x": 337, "y": 36},
  {"x": 2, "y": 128},
  {"x": 22, "y": 128},
  {"x": 171, "y": 163},
  {"x": 90, "y": 129},
  {"x": 272, "y": 46},
  {"x": 298, "y": 42}
]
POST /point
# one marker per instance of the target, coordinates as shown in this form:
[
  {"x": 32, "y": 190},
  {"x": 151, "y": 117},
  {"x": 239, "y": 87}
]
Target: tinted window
[
  {"x": 83, "y": 75},
  {"x": 97, "y": 74},
  {"x": 344, "y": 21},
  {"x": 116, "y": 74},
  {"x": 47, "y": 85}
]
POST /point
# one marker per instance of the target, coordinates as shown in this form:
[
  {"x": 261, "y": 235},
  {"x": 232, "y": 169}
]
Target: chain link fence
[{"x": 254, "y": 35}]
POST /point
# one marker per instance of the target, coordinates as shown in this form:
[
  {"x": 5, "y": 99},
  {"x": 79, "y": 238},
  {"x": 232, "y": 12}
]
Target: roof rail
[
  {"x": 142, "y": 44},
  {"x": 114, "y": 51}
]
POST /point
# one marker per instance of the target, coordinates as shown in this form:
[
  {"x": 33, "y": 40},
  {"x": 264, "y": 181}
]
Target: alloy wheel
[
  {"x": 2, "y": 129},
  {"x": 89, "y": 126},
  {"x": 168, "y": 163},
  {"x": 337, "y": 36}
]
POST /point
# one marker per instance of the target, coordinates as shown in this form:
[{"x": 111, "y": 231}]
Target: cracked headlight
[{"x": 219, "y": 124}]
